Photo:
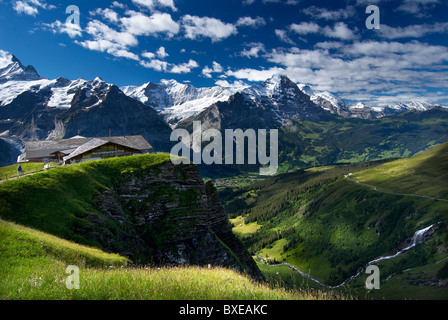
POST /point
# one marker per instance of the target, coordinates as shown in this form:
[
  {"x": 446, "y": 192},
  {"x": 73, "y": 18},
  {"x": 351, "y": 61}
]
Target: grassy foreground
[{"x": 34, "y": 267}]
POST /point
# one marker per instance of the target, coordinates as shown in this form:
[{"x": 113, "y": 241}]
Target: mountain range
[
  {"x": 33, "y": 107},
  {"x": 176, "y": 102}
]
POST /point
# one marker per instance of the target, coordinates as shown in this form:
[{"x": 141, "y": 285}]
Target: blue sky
[{"x": 325, "y": 44}]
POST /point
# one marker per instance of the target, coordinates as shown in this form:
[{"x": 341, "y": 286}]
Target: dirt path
[{"x": 394, "y": 193}]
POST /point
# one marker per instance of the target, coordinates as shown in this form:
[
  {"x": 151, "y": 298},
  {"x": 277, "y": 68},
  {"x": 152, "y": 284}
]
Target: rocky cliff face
[{"x": 169, "y": 217}]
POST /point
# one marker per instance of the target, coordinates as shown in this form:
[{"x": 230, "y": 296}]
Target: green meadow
[{"x": 34, "y": 267}]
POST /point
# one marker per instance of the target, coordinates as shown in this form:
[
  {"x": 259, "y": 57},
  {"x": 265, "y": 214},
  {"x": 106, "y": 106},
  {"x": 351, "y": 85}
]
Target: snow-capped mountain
[
  {"x": 33, "y": 107},
  {"x": 326, "y": 100},
  {"x": 15, "y": 79},
  {"x": 361, "y": 110},
  {"x": 283, "y": 97},
  {"x": 177, "y": 101},
  {"x": 275, "y": 103},
  {"x": 12, "y": 69}
]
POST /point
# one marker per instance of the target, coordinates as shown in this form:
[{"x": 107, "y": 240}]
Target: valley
[{"x": 302, "y": 221}]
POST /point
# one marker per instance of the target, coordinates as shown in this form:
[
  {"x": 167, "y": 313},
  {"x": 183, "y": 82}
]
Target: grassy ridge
[
  {"x": 58, "y": 199},
  {"x": 9, "y": 172},
  {"x": 34, "y": 263},
  {"x": 423, "y": 174}
]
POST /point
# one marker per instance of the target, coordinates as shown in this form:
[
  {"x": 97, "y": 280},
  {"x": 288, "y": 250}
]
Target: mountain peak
[
  {"x": 6, "y": 59},
  {"x": 307, "y": 89},
  {"x": 278, "y": 79},
  {"x": 12, "y": 69}
]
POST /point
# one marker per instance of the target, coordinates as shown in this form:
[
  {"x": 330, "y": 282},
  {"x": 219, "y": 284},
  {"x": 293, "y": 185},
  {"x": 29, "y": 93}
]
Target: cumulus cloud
[
  {"x": 216, "y": 68},
  {"x": 254, "y": 74},
  {"x": 254, "y": 50},
  {"x": 283, "y": 36},
  {"x": 23, "y": 7},
  {"x": 250, "y": 22},
  {"x": 30, "y": 7},
  {"x": 163, "y": 66},
  {"x": 151, "y": 4},
  {"x": 155, "y": 64},
  {"x": 412, "y": 31},
  {"x": 117, "y": 4},
  {"x": 148, "y": 55},
  {"x": 235, "y": 84},
  {"x": 304, "y": 28},
  {"x": 161, "y": 53},
  {"x": 184, "y": 67},
  {"x": 107, "y": 14},
  {"x": 71, "y": 29},
  {"x": 418, "y": 8},
  {"x": 327, "y": 14},
  {"x": 340, "y": 31},
  {"x": 99, "y": 30},
  {"x": 204, "y": 27},
  {"x": 378, "y": 71},
  {"x": 106, "y": 39},
  {"x": 140, "y": 24}
]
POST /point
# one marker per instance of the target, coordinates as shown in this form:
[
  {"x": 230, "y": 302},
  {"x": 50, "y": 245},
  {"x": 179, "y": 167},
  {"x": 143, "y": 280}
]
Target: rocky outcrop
[{"x": 167, "y": 217}]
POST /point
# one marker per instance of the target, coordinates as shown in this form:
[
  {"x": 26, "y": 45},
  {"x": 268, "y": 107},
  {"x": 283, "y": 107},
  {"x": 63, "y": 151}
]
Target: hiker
[{"x": 19, "y": 170}]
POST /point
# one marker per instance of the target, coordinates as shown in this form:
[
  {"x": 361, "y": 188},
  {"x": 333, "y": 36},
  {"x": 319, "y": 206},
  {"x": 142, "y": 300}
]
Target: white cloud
[
  {"x": 412, "y": 31},
  {"x": 226, "y": 84},
  {"x": 24, "y": 7},
  {"x": 155, "y": 64},
  {"x": 255, "y": 48},
  {"x": 100, "y": 30},
  {"x": 198, "y": 27},
  {"x": 254, "y": 74},
  {"x": 184, "y": 67},
  {"x": 329, "y": 45},
  {"x": 251, "y": 22},
  {"x": 339, "y": 31},
  {"x": 161, "y": 53},
  {"x": 108, "y": 46},
  {"x": 71, "y": 29},
  {"x": 151, "y": 4},
  {"x": 326, "y": 14},
  {"x": 117, "y": 4},
  {"x": 283, "y": 36},
  {"x": 148, "y": 55},
  {"x": 123, "y": 53},
  {"x": 164, "y": 66},
  {"x": 304, "y": 28},
  {"x": 140, "y": 24},
  {"x": 216, "y": 68},
  {"x": 168, "y": 3},
  {"x": 107, "y": 14},
  {"x": 418, "y": 8},
  {"x": 29, "y": 7},
  {"x": 106, "y": 39}
]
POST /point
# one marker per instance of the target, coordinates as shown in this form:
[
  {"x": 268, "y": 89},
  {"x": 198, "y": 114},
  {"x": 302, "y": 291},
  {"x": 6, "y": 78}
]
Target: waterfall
[{"x": 417, "y": 238}]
